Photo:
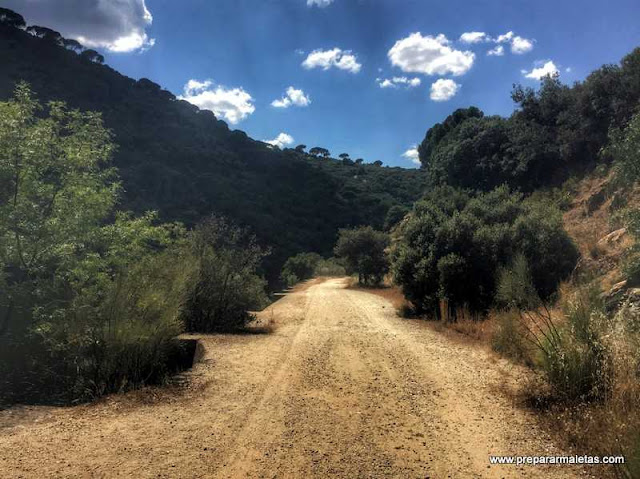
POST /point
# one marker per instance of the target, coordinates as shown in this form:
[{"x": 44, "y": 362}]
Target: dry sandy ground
[{"x": 342, "y": 388}]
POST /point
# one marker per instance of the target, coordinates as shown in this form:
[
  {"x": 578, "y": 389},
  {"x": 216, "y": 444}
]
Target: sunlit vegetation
[
  {"x": 555, "y": 131},
  {"x": 455, "y": 243},
  {"x": 488, "y": 242},
  {"x": 92, "y": 297}
]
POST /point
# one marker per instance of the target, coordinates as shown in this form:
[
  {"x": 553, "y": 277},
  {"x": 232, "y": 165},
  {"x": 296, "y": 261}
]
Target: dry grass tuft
[{"x": 391, "y": 293}]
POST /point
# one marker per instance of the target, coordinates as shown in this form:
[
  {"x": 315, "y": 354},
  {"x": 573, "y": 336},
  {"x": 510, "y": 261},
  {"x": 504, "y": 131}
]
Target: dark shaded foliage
[
  {"x": 186, "y": 164},
  {"x": 226, "y": 286},
  {"x": 455, "y": 243},
  {"x": 363, "y": 251},
  {"x": 555, "y": 131},
  {"x": 299, "y": 268},
  {"x": 11, "y": 18}
]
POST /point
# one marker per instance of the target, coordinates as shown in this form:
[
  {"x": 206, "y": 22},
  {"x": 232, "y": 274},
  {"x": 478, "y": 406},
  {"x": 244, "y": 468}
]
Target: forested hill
[{"x": 186, "y": 164}]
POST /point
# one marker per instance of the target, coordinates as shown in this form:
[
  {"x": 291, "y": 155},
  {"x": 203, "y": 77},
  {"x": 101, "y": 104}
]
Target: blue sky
[{"x": 242, "y": 55}]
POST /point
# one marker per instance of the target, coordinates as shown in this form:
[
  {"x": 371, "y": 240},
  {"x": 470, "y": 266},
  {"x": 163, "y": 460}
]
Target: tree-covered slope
[
  {"x": 186, "y": 164},
  {"x": 555, "y": 132}
]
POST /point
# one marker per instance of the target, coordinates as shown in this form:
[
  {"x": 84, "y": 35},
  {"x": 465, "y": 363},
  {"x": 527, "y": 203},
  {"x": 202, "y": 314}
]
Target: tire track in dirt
[{"x": 342, "y": 388}]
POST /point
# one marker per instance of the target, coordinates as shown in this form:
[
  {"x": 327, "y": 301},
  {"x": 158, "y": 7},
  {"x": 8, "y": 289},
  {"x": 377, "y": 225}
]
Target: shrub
[
  {"x": 631, "y": 265},
  {"x": 363, "y": 250},
  {"x": 89, "y": 305},
  {"x": 509, "y": 337},
  {"x": 227, "y": 286},
  {"x": 455, "y": 244},
  {"x": 395, "y": 214},
  {"x": 330, "y": 267},
  {"x": 624, "y": 147},
  {"x": 571, "y": 352},
  {"x": 299, "y": 268}
]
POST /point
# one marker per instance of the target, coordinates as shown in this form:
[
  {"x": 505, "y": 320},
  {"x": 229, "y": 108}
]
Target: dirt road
[{"x": 342, "y": 388}]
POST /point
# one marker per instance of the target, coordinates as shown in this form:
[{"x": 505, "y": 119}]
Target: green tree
[
  {"x": 454, "y": 244},
  {"x": 319, "y": 151},
  {"x": 91, "y": 298},
  {"x": 56, "y": 190},
  {"x": 437, "y": 132},
  {"x": 227, "y": 286},
  {"x": 394, "y": 215},
  {"x": 299, "y": 268},
  {"x": 363, "y": 250},
  {"x": 624, "y": 148}
]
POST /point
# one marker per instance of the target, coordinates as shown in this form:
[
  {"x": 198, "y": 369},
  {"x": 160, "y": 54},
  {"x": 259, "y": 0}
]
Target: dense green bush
[
  {"x": 363, "y": 251},
  {"x": 226, "y": 285},
  {"x": 624, "y": 148},
  {"x": 330, "y": 267},
  {"x": 395, "y": 214},
  {"x": 87, "y": 305},
  {"x": 455, "y": 244},
  {"x": 299, "y": 268}
]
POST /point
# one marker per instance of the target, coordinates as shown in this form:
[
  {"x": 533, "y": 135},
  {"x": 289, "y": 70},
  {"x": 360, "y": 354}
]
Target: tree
[
  {"x": 11, "y": 18},
  {"x": 299, "y": 268},
  {"x": 359, "y": 161},
  {"x": 363, "y": 250},
  {"x": 438, "y": 131},
  {"x": 92, "y": 56},
  {"x": 56, "y": 190},
  {"x": 73, "y": 45},
  {"x": 227, "y": 286},
  {"x": 455, "y": 243},
  {"x": 90, "y": 297},
  {"x": 46, "y": 34},
  {"x": 377, "y": 163},
  {"x": 301, "y": 148},
  {"x": 624, "y": 148},
  {"x": 394, "y": 215},
  {"x": 319, "y": 151},
  {"x": 343, "y": 156}
]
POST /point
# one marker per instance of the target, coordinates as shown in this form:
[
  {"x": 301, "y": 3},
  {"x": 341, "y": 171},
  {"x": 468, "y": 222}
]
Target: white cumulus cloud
[
  {"x": 548, "y": 68},
  {"x": 429, "y": 55},
  {"x": 118, "y": 26},
  {"x": 319, "y": 3},
  {"x": 292, "y": 97},
  {"x": 473, "y": 37},
  {"x": 232, "y": 104},
  {"x": 498, "y": 51},
  {"x": 412, "y": 154},
  {"x": 396, "y": 82},
  {"x": 282, "y": 140},
  {"x": 504, "y": 38},
  {"x": 443, "y": 89},
  {"x": 521, "y": 45},
  {"x": 336, "y": 57}
]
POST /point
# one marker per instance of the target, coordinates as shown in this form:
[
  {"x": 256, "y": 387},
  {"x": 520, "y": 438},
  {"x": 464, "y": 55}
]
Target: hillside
[{"x": 186, "y": 164}]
